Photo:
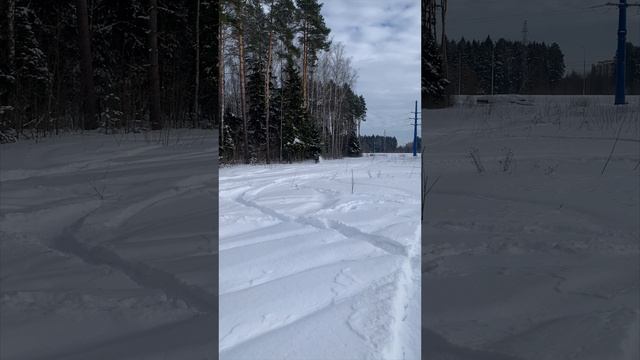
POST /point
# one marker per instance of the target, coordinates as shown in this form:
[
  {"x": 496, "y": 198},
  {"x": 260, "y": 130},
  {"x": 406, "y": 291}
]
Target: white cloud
[{"x": 383, "y": 38}]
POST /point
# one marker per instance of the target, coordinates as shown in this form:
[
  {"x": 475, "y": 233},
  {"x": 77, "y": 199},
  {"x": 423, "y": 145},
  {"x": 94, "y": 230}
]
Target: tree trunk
[
  {"x": 57, "y": 74},
  {"x": 443, "y": 41},
  {"x": 304, "y": 67},
  {"x": 221, "y": 80},
  {"x": 8, "y": 98},
  {"x": 11, "y": 13},
  {"x": 243, "y": 105},
  {"x": 86, "y": 67},
  {"x": 197, "y": 90},
  {"x": 154, "y": 99},
  {"x": 267, "y": 96},
  {"x": 281, "y": 106}
]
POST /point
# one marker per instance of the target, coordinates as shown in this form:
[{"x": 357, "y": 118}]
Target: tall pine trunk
[
  {"x": 221, "y": 80},
  {"x": 86, "y": 67},
  {"x": 281, "y": 106},
  {"x": 305, "y": 95},
  {"x": 197, "y": 90},
  {"x": 243, "y": 100},
  {"x": 154, "y": 71},
  {"x": 443, "y": 42},
  {"x": 8, "y": 99},
  {"x": 11, "y": 19},
  {"x": 267, "y": 95}
]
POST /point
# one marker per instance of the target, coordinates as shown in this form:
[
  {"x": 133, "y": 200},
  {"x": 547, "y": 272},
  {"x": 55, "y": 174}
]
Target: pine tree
[
  {"x": 433, "y": 81},
  {"x": 256, "y": 109},
  {"x": 31, "y": 67},
  {"x": 310, "y": 138},
  {"x": 275, "y": 109},
  {"x": 238, "y": 20},
  {"x": 233, "y": 135},
  {"x": 471, "y": 66},
  {"x": 294, "y": 114},
  {"x": 52, "y": 38},
  {"x": 277, "y": 26},
  {"x": 315, "y": 37},
  {"x": 227, "y": 145},
  {"x": 86, "y": 59},
  {"x": 291, "y": 111},
  {"x": 154, "y": 68},
  {"x": 555, "y": 64},
  {"x": 483, "y": 65},
  {"x": 353, "y": 145},
  {"x": 284, "y": 28},
  {"x": 501, "y": 67},
  {"x": 7, "y": 70}
]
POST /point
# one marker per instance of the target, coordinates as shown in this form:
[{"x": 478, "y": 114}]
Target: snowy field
[
  {"x": 107, "y": 247},
  {"x": 530, "y": 251},
  {"x": 321, "y": 261}
]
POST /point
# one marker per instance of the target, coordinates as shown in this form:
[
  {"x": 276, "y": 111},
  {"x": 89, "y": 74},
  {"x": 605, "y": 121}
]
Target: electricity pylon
[{"x": 622, "y": 44}]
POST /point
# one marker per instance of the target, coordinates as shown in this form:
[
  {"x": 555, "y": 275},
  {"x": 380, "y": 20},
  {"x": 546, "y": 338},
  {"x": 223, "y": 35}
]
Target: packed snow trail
[
  {"x": 311, "y": 269},
  {"x": 111, "y": 239},
  {"x": 538, "y": 256}
]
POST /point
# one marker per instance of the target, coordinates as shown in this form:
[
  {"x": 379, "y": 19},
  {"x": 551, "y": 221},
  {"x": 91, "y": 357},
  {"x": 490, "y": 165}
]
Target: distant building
[{"x": 605, "y": 68}]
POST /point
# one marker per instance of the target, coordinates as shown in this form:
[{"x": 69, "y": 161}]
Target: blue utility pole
[
  {"x": 622, "y": 40},
  {"x": 620, "y": 55},
  {"x": 415, "y": 131}
]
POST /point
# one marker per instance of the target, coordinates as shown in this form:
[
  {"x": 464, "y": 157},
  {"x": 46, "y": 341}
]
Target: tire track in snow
[
  {"x": 142, "y": 274},
  {"x": 382, "y": 242},
  {"x": 75, "y": 167},
  {"x": 405, "y": 294},
  {"x": 397, "y": 296},
  {"x": 143, "y": 344},
  {"x": 184, "y": 186},
  {"x": 403, "y": 276},
  {"x": 389, "y": 245}
]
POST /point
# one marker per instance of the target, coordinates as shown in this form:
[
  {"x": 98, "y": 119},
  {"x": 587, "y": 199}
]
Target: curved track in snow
[
  {"x": 339, "y": 268},
  {"x": 111, "y": 239}
]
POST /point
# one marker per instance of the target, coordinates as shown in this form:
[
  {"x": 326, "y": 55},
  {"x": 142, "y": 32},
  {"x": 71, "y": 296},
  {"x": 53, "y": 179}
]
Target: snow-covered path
[
  {"x": 315, "y": 265},
  {"x": 106, "y": 247}
]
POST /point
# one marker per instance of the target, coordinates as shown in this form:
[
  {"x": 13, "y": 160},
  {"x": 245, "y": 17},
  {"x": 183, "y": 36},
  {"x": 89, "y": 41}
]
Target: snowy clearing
[
  {"x": 107, "y": 247},
  {"x": 529, "y": 250},
  {"x": 321, "y": 261}
]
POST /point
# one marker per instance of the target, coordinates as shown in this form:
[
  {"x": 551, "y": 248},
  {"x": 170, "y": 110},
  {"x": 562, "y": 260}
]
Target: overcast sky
[
  {"x": 383, "y": 38},
  {"x": 570, "y": 23}
]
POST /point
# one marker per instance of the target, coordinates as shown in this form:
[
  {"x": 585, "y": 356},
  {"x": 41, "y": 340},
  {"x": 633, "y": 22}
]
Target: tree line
[
  {"x": 511, "y": 67},
  {"x": 109, "y": 64},
  {"x": 286, "y": 91},
  {"x": 385, "y": 144},
  {"x": 503, "y": 67}
]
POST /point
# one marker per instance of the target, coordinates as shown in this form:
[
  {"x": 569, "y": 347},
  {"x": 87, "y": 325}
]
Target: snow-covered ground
[
  {"x": 321, "y": 261},
  {"x": 107, "y": 247},
  {"x": 537, "y": 256}
]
